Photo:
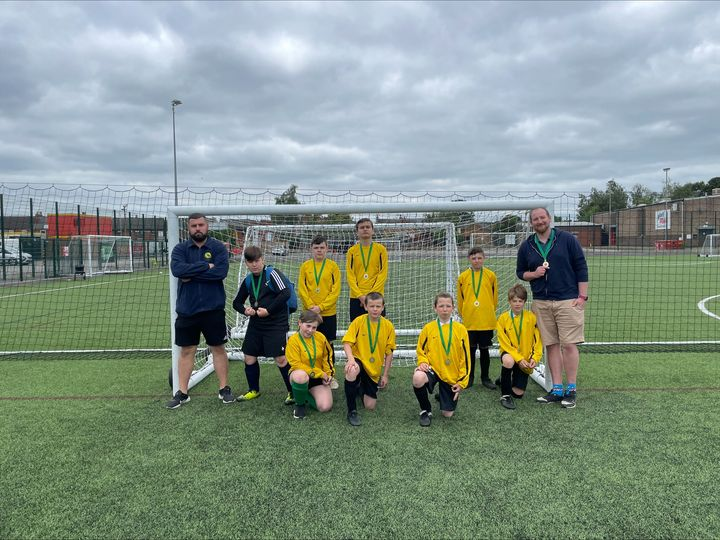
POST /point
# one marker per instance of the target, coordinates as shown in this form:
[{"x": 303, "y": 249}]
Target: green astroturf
[{"x": 88, "y": 451}]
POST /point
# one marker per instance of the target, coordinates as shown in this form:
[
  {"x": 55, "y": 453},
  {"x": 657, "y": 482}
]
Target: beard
[
  {"x": 541, "y": 227},
  {"x": 199, "y": 236}
]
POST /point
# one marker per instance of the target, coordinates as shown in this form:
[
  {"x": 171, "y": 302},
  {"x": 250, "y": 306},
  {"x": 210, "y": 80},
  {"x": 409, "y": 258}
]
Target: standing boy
[
  {"x": 319, "y": 288},
  {"x": 366, "y": 268},
  {"x": 443, "y": 358},
  {"x": 520, "y": 346},
  {"x": 477, "y": 297},
  {"x": 369, "y": 344},
  {"x": 200, "y": 264},
  {"x": 267, "y": 330}
]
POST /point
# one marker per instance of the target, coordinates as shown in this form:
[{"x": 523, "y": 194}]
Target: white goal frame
[
  {"x": 711, "y": 246},
  {"x": 174, "y": 214},
  {"x": 94, "y": 266}
]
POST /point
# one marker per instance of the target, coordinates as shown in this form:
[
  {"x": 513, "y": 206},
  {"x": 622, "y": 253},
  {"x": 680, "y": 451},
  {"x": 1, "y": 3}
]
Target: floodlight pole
[
  {"x": 667, "y": 194},
  {"x": 175, "y": 103}
]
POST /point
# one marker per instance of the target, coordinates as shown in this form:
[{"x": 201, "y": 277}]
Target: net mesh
[{"x": 649, "y": 289}]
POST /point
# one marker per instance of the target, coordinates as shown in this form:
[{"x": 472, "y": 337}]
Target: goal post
[
  {"x": 711, "y": 246},
  {"x": 427, "y": 246},
  {"x": 98, "y": 254}
]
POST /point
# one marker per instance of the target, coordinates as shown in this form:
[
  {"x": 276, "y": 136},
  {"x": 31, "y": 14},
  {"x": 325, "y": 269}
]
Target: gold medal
[
  {"x": 365, "y": 276},
  {"x": 317, "y": 290},
  {"x": 372, "y": 359},
  {"x": 546, "y": 264},
  {"x": 312, "y": 374},
  {"x": 476, "y": 303},
  {"x": 447, "y": 362}
]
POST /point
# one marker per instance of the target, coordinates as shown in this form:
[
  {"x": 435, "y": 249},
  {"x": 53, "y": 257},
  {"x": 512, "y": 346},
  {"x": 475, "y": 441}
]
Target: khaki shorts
[{"x": 559, "y": 321}]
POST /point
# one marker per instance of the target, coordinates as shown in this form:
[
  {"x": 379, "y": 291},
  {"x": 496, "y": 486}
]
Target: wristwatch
[{"x": 585, "y": 298}]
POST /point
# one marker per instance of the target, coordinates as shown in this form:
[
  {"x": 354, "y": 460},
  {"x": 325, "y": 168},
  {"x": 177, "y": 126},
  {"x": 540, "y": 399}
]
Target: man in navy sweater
[
  {"x": 554, "y": 264},
  {"x": 200, "y": 264}
]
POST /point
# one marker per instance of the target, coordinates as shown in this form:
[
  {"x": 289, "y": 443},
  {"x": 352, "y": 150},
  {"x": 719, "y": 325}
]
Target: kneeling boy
[
  {"x": 311, "y": 366},
  {"x": 443, "y": 357},
  {"x": 369, "y": 344},
  {"x": 520, "y": 346}
]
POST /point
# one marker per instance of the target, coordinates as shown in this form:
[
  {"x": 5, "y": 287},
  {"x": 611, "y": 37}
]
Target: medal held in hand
[
  {"x": 256, "y": 290},
  {"x": 545, "y": 249}
]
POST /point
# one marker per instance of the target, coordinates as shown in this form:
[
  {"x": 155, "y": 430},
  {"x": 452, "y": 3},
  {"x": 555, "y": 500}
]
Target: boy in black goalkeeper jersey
[{"x": 267, "y": 330}]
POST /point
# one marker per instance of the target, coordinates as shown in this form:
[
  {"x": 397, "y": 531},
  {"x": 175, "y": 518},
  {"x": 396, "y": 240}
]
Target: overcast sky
[{"x": 379, "y": 96}]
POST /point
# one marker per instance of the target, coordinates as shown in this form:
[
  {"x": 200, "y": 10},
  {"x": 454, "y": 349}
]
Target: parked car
[
  {"x": 12, "y": 258},
  {"x": 279, "y": 251}
]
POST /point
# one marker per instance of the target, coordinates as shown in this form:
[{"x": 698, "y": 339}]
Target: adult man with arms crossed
[
  {"x": 200, "y": 264},
  {"x": 554, "y": 264}
]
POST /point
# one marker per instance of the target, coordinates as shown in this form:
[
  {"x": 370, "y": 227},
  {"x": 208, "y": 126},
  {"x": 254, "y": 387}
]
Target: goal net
[
  {"x": 711, "y": 246},
  {"x": 427, "y": 249},
  {"x": 94, "y": 254},
  {"x": 422, "y": 261}
]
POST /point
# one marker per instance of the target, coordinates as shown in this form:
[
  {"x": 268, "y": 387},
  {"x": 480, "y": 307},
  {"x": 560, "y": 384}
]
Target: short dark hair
[
  {"x": 319, "y": 239},
  {"x": 310, "y": 316},
  {"x": 547, "y": 212},
  {"x": 364, "y": 220},
  {"x": 375, "y": 296},
  {"x": 438, "y": 296},
  {"x": 197, "y": 215},
  {"x": 474, "y": 250},
  {"x": 518, "y": 291},
  {"x": 252, "y": 253}
]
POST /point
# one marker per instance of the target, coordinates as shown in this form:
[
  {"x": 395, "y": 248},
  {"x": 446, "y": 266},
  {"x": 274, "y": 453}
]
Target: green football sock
[{"x": 300, "y": 392}]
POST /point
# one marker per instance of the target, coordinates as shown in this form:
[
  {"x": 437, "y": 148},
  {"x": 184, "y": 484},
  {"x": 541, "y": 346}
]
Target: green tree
[
  {"x": 289, "y": 196},
  {"x": 613, "y": 198},
  {"x": 640, "y": 194},
  {"x": 456, "y": 218},
  {"x": 692, "y": 189},
  {"x": 509, "y": 223}
]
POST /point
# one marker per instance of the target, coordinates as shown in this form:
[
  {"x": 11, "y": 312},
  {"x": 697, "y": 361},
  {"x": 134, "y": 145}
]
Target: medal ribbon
[
  {"x": 256, "y": 290},
  {"x": 362, "y": 254},
  {"x": 544, "y": 251},
  {"x": 442, "y": 337},
  {"x": 307, "y": 349},
  {"x": 318, "y": 276},
  {"x": 518, "y": 333},
  {"x": 476, "y": 290},
  {"x": 377, "y": 334}
]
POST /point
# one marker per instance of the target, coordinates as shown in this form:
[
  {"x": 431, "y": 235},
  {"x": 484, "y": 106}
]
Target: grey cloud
[{"x": 451, "y": 95}]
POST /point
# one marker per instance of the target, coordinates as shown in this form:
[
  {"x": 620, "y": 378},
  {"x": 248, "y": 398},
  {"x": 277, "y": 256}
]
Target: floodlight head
[{"x": 176, "y": 102}]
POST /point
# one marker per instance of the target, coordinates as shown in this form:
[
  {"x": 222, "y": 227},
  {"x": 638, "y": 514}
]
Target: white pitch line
[
  {"x": 706, "y": 311},
  {"x": 74, "y": 287}
]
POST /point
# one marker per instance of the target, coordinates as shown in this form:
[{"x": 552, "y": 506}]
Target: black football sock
[
  {"x": 252, "y": 372},
  {"x": 506, "y": 381},
  {"x": 484, "y": 364},
  {"x": 351, "y": 395},
  {"x": 471, "y": 378},
  {"x": 285, "y": 372},
  {"x": 422, "y": 397}
]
